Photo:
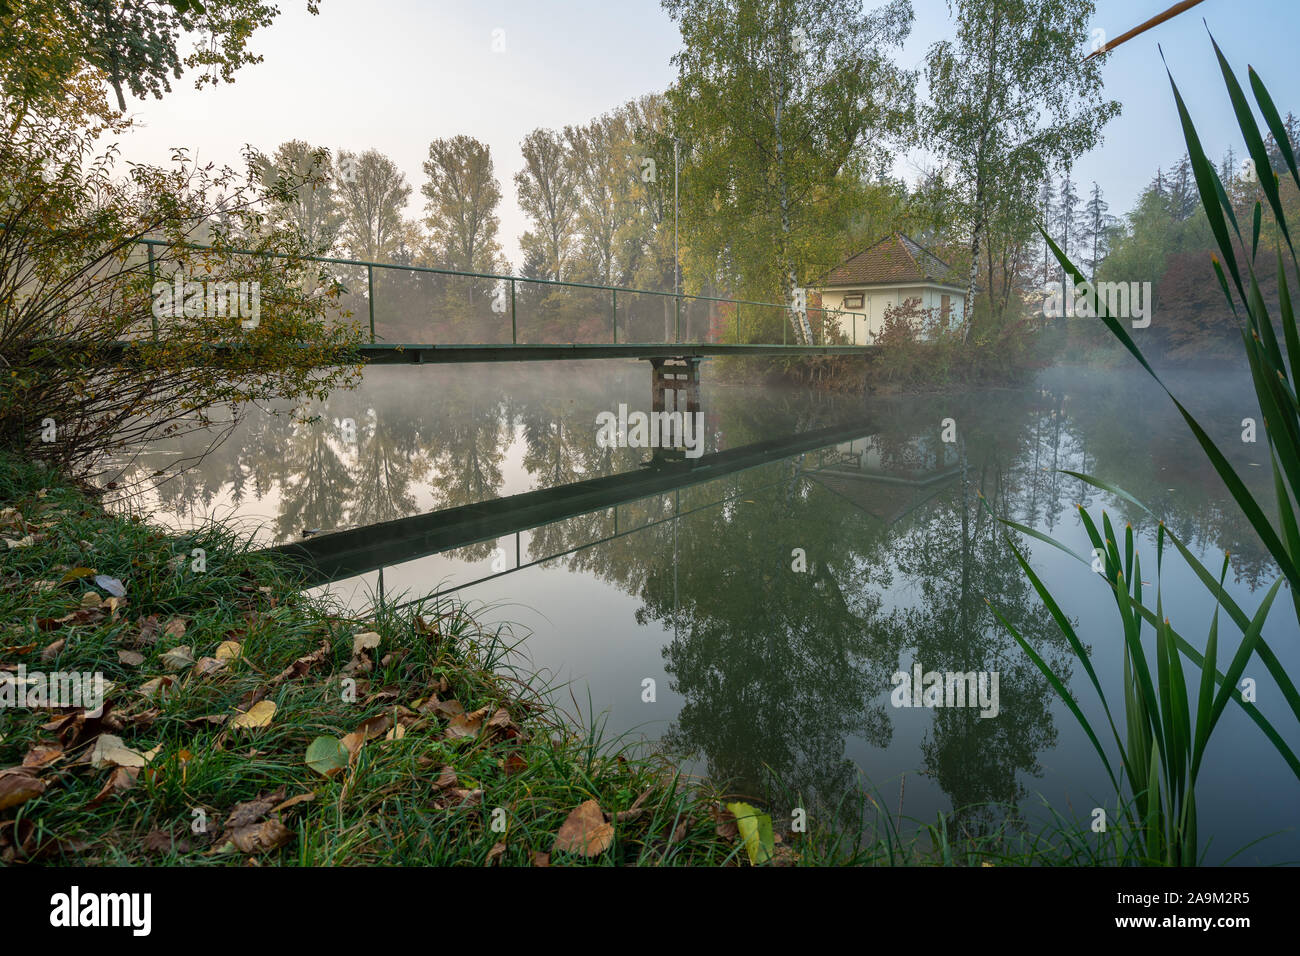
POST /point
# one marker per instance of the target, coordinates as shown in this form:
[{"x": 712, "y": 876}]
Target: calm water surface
[{"x": 761, "y": 671}]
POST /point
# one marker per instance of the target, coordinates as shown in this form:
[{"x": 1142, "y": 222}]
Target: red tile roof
[{"x": 894, "y": 259}]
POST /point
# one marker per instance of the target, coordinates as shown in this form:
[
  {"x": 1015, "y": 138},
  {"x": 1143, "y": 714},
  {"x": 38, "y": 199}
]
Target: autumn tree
[
  {"x": 372, "y": 195},
  {"x": 462, "y": 196},
  {"x": 1010, "y": 99},
  {"x": 777, "y": 100},
  {"x": 548, "y": 193}
]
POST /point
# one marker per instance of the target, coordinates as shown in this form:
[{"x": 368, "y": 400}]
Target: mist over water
[{"x": 772, "y": 606}]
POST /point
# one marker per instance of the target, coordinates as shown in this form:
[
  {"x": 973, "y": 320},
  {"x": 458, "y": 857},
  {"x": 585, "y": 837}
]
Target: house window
[
  {"x": 853, "y": 300},
  {"x": 945, "y": 308}
]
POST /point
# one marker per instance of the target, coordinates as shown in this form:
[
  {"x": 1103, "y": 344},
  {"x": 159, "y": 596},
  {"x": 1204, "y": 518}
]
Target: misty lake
[{"x": 752, "y": 618}]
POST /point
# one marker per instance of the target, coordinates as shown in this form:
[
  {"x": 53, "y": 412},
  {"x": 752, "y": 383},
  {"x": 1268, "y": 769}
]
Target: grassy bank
[
  {"x": 426, "y": 751},
  {"x": 247, "y": 721}
]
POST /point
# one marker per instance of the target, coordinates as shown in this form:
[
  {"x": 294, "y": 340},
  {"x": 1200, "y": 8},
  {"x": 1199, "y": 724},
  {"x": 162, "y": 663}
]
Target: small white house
[{"x": 889, "y": 273}]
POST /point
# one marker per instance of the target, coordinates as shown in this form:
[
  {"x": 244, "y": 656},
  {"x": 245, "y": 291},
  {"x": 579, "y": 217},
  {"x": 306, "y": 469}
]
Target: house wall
[{"x": 868, "y": 321}]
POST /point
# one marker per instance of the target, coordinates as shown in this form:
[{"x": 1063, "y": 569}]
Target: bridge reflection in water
[{"x": 841, "y": 458}]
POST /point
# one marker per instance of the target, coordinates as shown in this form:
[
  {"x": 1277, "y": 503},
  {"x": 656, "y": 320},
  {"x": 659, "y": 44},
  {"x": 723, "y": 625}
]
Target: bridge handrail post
[
  {"x": 153, "y": 318},
  {"x": 514, "y": 326},
  {"x": 370, "y": 296},
  {"x": 678, "y": 300},
  {"x": 613, "y": 297}
]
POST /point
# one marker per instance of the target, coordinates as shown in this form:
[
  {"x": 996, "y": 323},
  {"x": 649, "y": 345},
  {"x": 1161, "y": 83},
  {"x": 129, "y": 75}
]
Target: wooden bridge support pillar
[{"x": 681, "y": 377}]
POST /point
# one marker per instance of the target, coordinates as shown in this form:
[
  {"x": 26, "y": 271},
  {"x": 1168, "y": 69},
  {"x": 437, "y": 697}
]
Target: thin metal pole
[
  {"x": 514, "y": 328},
  {"x": 614, "y": 302},
  {"x": 370, "y": 294},
  {"x": 153, "y": 318},
  {"x": 677, "y": 269},
  {"x": 678, "y": 300}
]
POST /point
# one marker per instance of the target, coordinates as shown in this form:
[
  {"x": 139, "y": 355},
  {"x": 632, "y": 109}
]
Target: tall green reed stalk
[{"x": 1166, "y": 732}]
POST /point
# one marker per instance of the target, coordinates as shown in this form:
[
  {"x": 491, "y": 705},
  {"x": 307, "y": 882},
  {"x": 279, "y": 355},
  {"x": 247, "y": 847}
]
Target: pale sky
[{"x": 394, "y": 74}]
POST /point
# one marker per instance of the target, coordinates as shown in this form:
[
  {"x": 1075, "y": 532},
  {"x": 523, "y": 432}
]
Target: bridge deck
[{"x": 422, "y": 354}]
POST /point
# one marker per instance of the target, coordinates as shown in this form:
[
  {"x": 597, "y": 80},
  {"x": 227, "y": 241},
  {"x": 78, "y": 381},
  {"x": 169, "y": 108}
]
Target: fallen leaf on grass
[
  {"x": 119, "y": 781},
  {"x": 514, "y": 763},
  {"x": 307, "y": 797},
  {"x": 175, "y": 627},
  {"x": 258, "y": 838},
  {"x": 77, "y": 573},
  {"x": 91, "y": 599},
  {"x": 327, "y": 756},
  {"x": 584, "y": 832},
  {"x": 259, "y": 715},
  {"x": 41, "y": 755},
  {"x": 208, "y": 665},
  {"x": 756, "y": 830},
  {"x": 458, "y": 796},
  {"x": 130, "y": 658},
  {"x": 368, "y": 729},
  {"x": 538, "y": 858},
  {"x": 178, "y": 658},
  {"x": 156, "y": 686},
  {"x": 302, "y": 665},
  {"x": 112, "y": 585},
  {"x": 110, "y": 751},
  {"x": 466, "y": 725},
  {"x": 250, "y": 811},
  {"x": 229, "y": 650},
  {"x": 498, "y": 850},
  {"x": 159, "y": 841},
  {"x": 18, "y": 785},
  {"x": 53, "y": 650}
]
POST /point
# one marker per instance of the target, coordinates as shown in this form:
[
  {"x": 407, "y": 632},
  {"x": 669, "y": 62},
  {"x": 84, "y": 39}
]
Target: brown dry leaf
[
  {"x": 302, "y": 665},
  {"x": 178, "y": 658},
  {"x": 446, "y": 778},
  {"x": 307, "y": 797},
  {"x": 250, "y": 811},
  {"x": 149, "y": 627},
  {"x": 130, "y": 658},
  {"x": 397, "y": 733},
  {"x": 498, "y": 850},
  {"x": 500, "y": 722},
  {"x": 52, "y": 650},
  {"x": 18, "y": 785},
  {"x": 514, "y": 763},
  {"x": 229, "y": 651},
  {"x": 448, "y": 708},
  {"x": 257, "y": 716},
  {"x": 537, "y": 858},
  {"x": 119, "y": 781},
  {"x": 368, "y": 729},
  {"x": 468, "y": 798},
  {"x": 207, "y": 665},
  {"x": 678, "y": 835},
  {"x": 725, "y": 824},
  {"x": 466, "y": 725},
  {"x": 41, "y": 755},
  {"x": 157, "y": 686},
  {"x": 268, "y": 835},
  {"x": 158, "y": 841},
  {"x": 91, "y": 599},
  {"x": 175, "y": 628},
  {"x": 584, "y": 832}
]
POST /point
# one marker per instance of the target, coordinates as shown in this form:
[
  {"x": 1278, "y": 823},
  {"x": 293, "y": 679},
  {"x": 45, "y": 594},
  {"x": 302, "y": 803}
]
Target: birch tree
[
  {"x": 1009, "y": 99},
  {"x": 779, "y": 99}
]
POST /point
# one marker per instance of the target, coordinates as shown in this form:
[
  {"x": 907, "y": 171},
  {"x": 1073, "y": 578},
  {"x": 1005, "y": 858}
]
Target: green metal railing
[{"x": 828, "y": 317}]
